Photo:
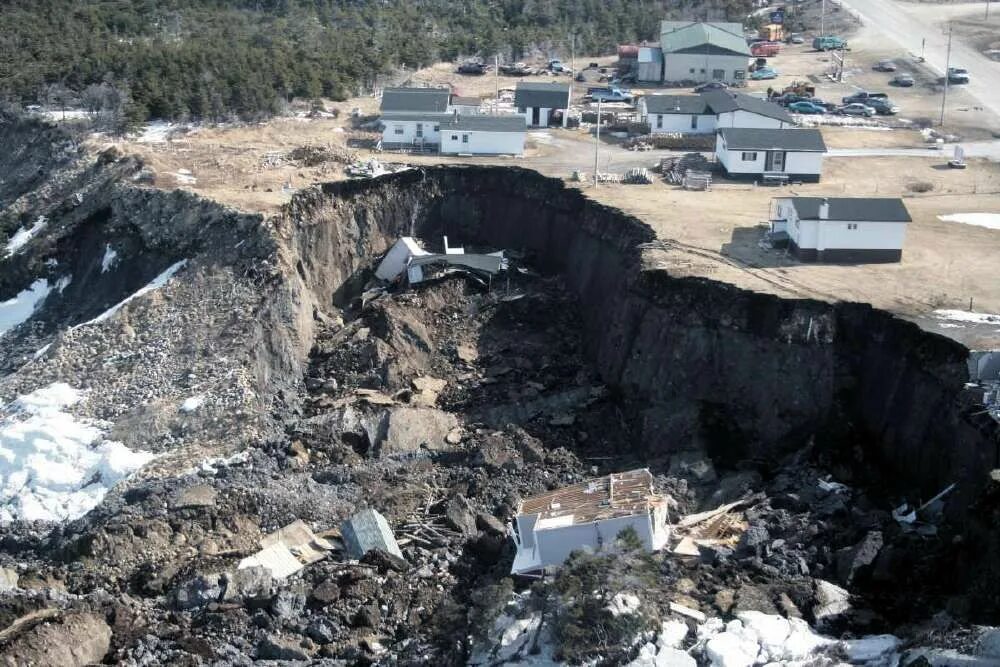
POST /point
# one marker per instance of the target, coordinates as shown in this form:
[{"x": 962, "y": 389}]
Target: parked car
[
  {"x": 610, "y": 95},
  {"x": 796, "y": 38},
  {"x": 958, "y": 75},
  {"x": 764, "y": 73},
  {"x": 472, "y": 67},
  {"x": 862, "y": 96},
  {"x": 806, "y": 107},
  {"x": 883, "y": 106},
  {"x": 711, "y": 85},
  {"x": 558, "y": 67},
  {"x": 856, "y": 109},
  {"x": 903, "y": 80},
  {"x": 885, "y": 66},
  {"x": 766, "y": 49},
  {"x": 829, "y": 43}
]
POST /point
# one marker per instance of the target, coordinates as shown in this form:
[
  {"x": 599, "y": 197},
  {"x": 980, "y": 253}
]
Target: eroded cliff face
[{"x": 747, "y": 376}]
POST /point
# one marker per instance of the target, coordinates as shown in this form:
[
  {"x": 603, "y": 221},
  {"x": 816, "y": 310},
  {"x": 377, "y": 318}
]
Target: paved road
[{"x": 907, "y": 27}]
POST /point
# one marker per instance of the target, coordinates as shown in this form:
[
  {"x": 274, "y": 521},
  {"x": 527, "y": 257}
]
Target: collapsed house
[
  {"x": 588, "y": 516},
  {"x": 407, "y": 258}
]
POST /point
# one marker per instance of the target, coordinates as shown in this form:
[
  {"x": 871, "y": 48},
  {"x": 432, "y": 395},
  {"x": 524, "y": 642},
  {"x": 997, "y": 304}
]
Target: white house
[
  {"x": 700, "y": 52},
  {"x": 588, "y": 516},
  {"x": 483, "y": 135},
  {"x": 411, "y": 117},
  {"x": 705, "y": 113},
  {"x": 842, "y": 229},
  {"x": 538, "y": 102},
  {"x": 794, "y": 154},
  {"x": 467, "y": 106}
]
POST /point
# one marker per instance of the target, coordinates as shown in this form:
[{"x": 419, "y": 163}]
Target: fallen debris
[
  {"x": 288, "y": 550},
  {"x": 368, "y": 530}
]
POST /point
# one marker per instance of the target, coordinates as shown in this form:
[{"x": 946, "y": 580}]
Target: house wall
[
  {"x": 556, "y": 544},
  {"x": 543, "y": 116},
  {"x": 482, "y": 143},
  {"x": 674, "y": 122},
  {"x": 650, "y": 71},
  {"x": 466, "y": 109},
  {"x": 678, "y": 66},
  {"x": 747, "y": 119},
  {"x": 805, "y": 165},
  {"x": 834, "y": 241},
  {"x": 526, "y": 530},
  {"x": 409, "y": 131}
]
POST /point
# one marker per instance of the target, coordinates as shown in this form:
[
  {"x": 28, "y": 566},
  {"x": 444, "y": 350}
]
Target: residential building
[
  {"x": 539, "y": 102},
  {"x": 588, "y": 516},
  {"x": 483, "y": 135},
  {"x": 841, "y": 229},
  {"x": 790, "y": 154},
  {"x": 467, "y": 106},
  {"x": 706, "y": 112},
  {"x": 700, "y": 52},
  {"x": 411, "y": 117}
]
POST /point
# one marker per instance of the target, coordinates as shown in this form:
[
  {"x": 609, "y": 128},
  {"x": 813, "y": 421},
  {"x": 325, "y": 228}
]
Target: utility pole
[
  {"x": 496, "y": 79},
  {"x": 597, "y": 140},
  {"x": 947, "y": 66},
  {"x": 572, "y": 52},
  {"x": 987, "y": 10},
  {"x": 822, "y": 20}
]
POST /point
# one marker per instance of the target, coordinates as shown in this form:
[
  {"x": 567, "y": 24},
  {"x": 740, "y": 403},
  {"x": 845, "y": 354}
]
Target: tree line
[{"x": 132, "y": 60}]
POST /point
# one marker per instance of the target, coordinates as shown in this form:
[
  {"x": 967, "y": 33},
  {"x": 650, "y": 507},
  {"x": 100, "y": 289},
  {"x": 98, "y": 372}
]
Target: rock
[
  {"x": 326, "y": 592},
  {"x": 298, "y": 453},
  {"x": 454, "y": 436},
  {"x": 81, "y": 638},
  {"x": 199, "y": 495},
  {"x": 8, "y": 579},
  {"x": 753, "y": 540},
  {"x": 248, "y": 583},
  {"x": 466, "y": 353},
  {"x": 461, "y": 515},
  {"x": 724, "y": 600},
  {"x": 852, "y": 559},
  {"x": 752, "y": 598},
  {"x": 988, "y": 645},
  {"x": 367, "y": 616},
  {"x": 832, "y": 601},
  {"x": 787, "y": 607},
  {"x": 288, "y": 603},
  {"x": 199, "y": 591},
  {"x": 384, "y": 561},
  {"x": 407, "y": 429},
  {"x": 321, "y": 630},
  {"x": 490, "y": 524},
  {"x": 280, "y": 648},
  {"x": 692, "y": 465}
]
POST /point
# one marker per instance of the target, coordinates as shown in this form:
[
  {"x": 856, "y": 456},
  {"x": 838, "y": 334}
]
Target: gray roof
[
  {"x": 874, "y": 209},
  {"x": 724, "y": 101},
  {"x": 419, "y": 117},
  {"x": 466, "y": 101},
  {"x": 544, "y": 95},
  {"x": 368, "y": 530},
  {"x": 680, "y": 104},
  {"x": 485, "y": 124},
  {"x": 697, "y": 35},
  {"x": 803, "y": 141},
  {"x": 415, "y": 99}
]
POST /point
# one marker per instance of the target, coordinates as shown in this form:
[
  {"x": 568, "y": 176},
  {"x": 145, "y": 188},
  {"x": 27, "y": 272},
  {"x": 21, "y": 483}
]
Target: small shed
[
  {"x": 365, "y": 531},
  {"x": 771, "y": 154},
  {"x": 538, "y": 102},
  {"x": 649, "y": 65}
]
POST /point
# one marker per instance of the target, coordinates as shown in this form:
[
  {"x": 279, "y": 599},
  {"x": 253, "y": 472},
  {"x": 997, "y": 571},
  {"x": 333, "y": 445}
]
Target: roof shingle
[
  {"x": 724, "y": 101},
  {"x": 415, "y": 100},
  {"x": 853, "y": 209},
  {"x": 543, "y": 95},
  {"x": 746, "y": 139}
]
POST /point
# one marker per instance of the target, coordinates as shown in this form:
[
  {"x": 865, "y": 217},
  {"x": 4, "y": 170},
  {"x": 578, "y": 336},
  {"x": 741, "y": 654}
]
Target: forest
[{"x": 219, "y": 59}]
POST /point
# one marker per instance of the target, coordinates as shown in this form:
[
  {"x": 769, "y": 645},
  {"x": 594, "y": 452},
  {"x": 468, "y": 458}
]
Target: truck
[
  {"x": 765, "y": 49},
  {"x": 864, "y": 97},
  {"x": 557, "y": 66},
  {"x": 829, "y": 43},
  {"x": 610, "y": 95},
  {"x": 958, "y": 75}
]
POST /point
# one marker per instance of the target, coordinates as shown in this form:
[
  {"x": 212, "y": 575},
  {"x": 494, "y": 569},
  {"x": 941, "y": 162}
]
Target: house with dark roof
[
  {"x": 696, "y": 52},
  {"x": 771, "y": 154},
  {"x": 412, "y": 117},
  {"x": 483, "y": 135},
  {"x": 704, "y": 113},
  {"x": 841, "y": 229},
  {"x": 539, "y": 102}
]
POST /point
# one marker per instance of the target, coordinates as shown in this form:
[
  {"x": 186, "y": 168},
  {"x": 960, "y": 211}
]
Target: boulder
[
  {"x": 8, "y": 579},
  {"x": 281, "y": 648},
  {"x": 197, "y": 496},
  {"x": 80, "y": 638},
  {"x": 199, "y": 591},
  {"x": 461, "y": 515},
  {"x": 490, "y": 524},
  {"x": 248, "y": 583},
  {"x": 408, "y": 429},
  {"x": 383, "y": 561},
  {"x": 851, "y": 560},
  {"x": 832, "y": 602}
]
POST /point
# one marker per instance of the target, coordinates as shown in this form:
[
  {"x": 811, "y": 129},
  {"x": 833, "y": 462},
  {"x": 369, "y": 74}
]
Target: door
[
  {"x": 775, "y": 161},
  {"x": 420, "y": 130},
  {"x": 536, "y": 116}
]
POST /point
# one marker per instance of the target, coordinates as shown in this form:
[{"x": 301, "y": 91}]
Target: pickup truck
[
  {"x": 829, "y": 43},
  {"x": 958, "y": 75},
  {"x": 765, "y": 49},
  {"x": 557, "y": 66},
  {"x": 863, "y": 96},
  {"x": 610, "y": 95}
]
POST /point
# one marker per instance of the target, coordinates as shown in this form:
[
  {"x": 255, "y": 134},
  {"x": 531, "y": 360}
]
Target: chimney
[{"x": 824, "y": 209}]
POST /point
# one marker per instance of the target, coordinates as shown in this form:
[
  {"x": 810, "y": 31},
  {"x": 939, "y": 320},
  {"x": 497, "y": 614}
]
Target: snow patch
[
  {"x": 988, "y": 220},
  {"x": 17, "y": 310},
  {"x": 192, "y": 403},
  {"x": 967, "y": 316},
  {"x": 54, "y": 466},
  {"x": 110, "y": 259},
  {"x": 22, "y": 236},
  {"x": 156, "y": 283},
  {"x": 185, "y": 177},
  {"x": 156, "y": 132}
]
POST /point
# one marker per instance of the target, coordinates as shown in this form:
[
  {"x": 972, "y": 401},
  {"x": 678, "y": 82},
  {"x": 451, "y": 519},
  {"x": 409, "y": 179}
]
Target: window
[
  {"x": 420, "y": 129},
  {"x": 694, "y": 122},
  {"x": 465, "y": 138},
  {"x": 691, "y": 70},
  {"x": 852, "y": 225},
  {"x": 718, "y": 74},
  {"x": 397, "y": 129},
  {"x": 437, "y": 128},
  {"x": 702, "y": 70},
  {"x": 749, "y": 156},
  {"x": 454, "y": 137},
  {"x": 739, "y": 74},
  {"x": 659, "y": 120}
]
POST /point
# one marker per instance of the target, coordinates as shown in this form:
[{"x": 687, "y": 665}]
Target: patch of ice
[
  {"x": 733, "y": 648},
  {"x": 109, "y": 260},
  {"x": 623, "y": 603},
  {"x": 22, "y": 236},
  {"x": 185, "y": 177},
  {"x": 988, "y": 220},
  {"x": 672, "y": 634},
  {"x": 40, "y": 352},
  {"x": 877, "y": 649},
  {"x": 967, "y": 316},
  {"x": 213, "y": 464},
  {"x": 54, "y": 466},
  {"x": 17, "y": 310},
  {"x": 155, "y": 132},
  {"x": 192, "y": 403},
  {"x": 156, "y": 283}
]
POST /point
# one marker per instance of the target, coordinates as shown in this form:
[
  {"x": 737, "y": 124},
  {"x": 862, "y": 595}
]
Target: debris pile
[{"x": 692, "y": 171}]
